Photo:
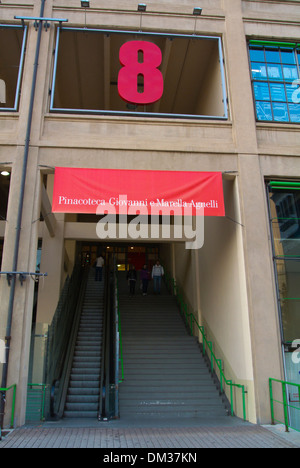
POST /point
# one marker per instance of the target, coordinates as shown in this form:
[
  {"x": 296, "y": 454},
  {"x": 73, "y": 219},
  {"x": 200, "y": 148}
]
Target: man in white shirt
[
  {"x": 99, "y": 268},
  {"x": 157, "y": 274}
]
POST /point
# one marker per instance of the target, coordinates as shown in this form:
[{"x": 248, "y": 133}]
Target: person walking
[
  {"x": 145, "y": 276},
  {"x": 132, "y": 277},
  {"x": 157, "y": 274},
  {"x": 99, "y": 268}
]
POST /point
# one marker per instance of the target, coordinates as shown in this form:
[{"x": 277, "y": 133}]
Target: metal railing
[
  {"x": 36, "y": 401},
  {"x": 112, "y": 351},
  {"x": 284, "y": 403},
  {"x": 3, "y": 395},
  {"x": 207, "y": 347},
  {"x": 121, "y": 356}
]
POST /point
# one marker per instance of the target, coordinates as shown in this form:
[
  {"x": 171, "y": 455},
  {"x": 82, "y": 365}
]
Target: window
[
  {"x": 87, "y": 74},
  {"x": 285, "y": 226},
  {"x": 275, "y": 75},
  {"x": 12, "y": 49},
  {"x": 284, "y": 211}
]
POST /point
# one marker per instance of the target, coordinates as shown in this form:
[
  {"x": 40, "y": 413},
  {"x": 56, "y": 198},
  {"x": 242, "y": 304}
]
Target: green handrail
[
  {"x": 284, "y": 403},
  {"x": 14, "y": 387},
  {"x": 190, "y": 320}
]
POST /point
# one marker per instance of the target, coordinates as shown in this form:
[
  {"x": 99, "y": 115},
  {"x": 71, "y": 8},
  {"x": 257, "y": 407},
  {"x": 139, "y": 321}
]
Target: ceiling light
[{"x": 5, "y": 173}]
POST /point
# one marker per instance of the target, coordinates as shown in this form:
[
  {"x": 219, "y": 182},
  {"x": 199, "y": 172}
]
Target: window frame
[
  {"x": 270, "y": 83},
  {"x": 21, "y": 66},
  {"x": 57, "y": 110}
]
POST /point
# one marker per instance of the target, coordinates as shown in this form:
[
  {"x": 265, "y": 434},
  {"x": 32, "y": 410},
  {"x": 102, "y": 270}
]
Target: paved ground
[{"x": 114, "y": 435}]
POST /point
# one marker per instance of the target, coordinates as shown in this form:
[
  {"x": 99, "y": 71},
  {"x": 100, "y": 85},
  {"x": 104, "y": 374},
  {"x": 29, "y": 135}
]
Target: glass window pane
[
  {"x": 286, "y": 222},
  {"x": 289, "y": 272},
  {"x": 275, "y": 72},
  {"x": 11, "y": 50},
  {"x": 280, "y": 112},
  {"x": 272, "y": 55},
  {"x": 290, "y": 73},
  {"x": 257, "y": 54},
  {"x": 261, "y": 91},
  {"x": 288, "y": 56},
  {"x": 259, "y": 71},
  {"x": 285, "y": 215},
  {"x": 277, "y": 92},
  {"x": 264, "y": 111},
  {"x": 290, "y": 318},
  {"x": 294, "y": 112}
]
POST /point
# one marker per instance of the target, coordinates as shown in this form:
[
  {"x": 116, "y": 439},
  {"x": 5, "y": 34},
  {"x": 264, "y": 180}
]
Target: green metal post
[
  {"x": 231, "y": 397},
  {"x": 285, "y": 406},
  {"x": 13, "y": 405},
  {"x": 244, "y": 402},
  {"x": 271, "y": 402},
  {"x": 219, "y": 362}
]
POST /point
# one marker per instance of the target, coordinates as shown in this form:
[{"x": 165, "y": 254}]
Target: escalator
[
  {"x": 84, "y": 384},
  {"x": 82, "y": 349}
]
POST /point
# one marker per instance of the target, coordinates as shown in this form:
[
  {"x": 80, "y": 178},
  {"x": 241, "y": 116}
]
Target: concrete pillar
[
  {"x": 52, "y": 262},
  {"x": 23, "y": 299},
  {"x": 258, "y": 259}
]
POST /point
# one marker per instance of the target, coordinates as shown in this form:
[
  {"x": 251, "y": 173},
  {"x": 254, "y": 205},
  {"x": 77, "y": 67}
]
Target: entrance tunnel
[{"x": 110, "y": 354}]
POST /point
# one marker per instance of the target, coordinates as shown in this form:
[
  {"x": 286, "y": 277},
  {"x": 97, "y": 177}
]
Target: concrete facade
[{"x": 229, "y": 283}]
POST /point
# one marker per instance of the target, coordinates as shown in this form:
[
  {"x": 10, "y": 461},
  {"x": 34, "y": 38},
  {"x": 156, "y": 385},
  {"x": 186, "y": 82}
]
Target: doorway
[{"x": 126, "y": 254}]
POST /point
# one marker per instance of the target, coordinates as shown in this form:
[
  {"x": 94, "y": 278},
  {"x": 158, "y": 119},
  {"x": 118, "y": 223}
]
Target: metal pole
[{"x": 19, "y": 217}]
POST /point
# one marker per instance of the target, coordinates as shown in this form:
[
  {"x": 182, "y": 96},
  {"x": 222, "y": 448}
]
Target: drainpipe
[{"x": 19, "y": 218}]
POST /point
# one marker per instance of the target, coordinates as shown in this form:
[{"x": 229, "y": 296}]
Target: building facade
[{"x": 227, "y": 101}]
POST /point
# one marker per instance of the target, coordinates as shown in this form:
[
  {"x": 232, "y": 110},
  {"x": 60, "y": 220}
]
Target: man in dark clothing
[{"x": 132, "y": 277}]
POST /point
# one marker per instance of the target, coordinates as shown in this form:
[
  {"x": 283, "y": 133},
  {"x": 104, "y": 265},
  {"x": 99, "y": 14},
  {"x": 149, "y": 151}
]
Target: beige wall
[{"x": 235, "y": 296}]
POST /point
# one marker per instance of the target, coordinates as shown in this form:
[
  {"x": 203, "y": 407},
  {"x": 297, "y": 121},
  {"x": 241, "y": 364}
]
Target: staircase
[
  {"x": 84, "y": 386},
  {"x": 165, "y": 373}
]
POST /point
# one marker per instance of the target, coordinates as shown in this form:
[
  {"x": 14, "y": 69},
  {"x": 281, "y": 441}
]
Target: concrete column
[
  {"x": 264, "y": 323},
  {"x": 52, "y": 262},
  {"x": 265, "y": 341},
  {"x": 23, "y": 299}
]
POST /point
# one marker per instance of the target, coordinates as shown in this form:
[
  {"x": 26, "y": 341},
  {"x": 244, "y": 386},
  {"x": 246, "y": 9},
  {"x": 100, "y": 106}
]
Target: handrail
[
  {"x": 190, "y": 320},
  {"x": 116, "y": 333},
  {"x": 121, "y": 355},
  {"x": 284, "y": 403},
  {"x": 112, "y": 354},
  {"x": 102, "y": 387},
  {"x": 3, "y": 395}
]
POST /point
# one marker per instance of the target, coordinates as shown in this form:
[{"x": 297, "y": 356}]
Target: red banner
[{"x": 84, "y": 190}]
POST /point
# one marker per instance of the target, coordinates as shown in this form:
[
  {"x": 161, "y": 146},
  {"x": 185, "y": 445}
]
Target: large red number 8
[{"x": 140, "y": 59}]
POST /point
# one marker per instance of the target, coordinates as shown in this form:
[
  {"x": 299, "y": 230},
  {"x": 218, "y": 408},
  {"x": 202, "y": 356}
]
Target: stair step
[
  {"x": 81, "y": 414},
  {"x": 81, "y": 406},
  {"x": 166, "y": 375},
  {"x": 83, "y": 399},
  {"x": 80, "y": 377}
]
